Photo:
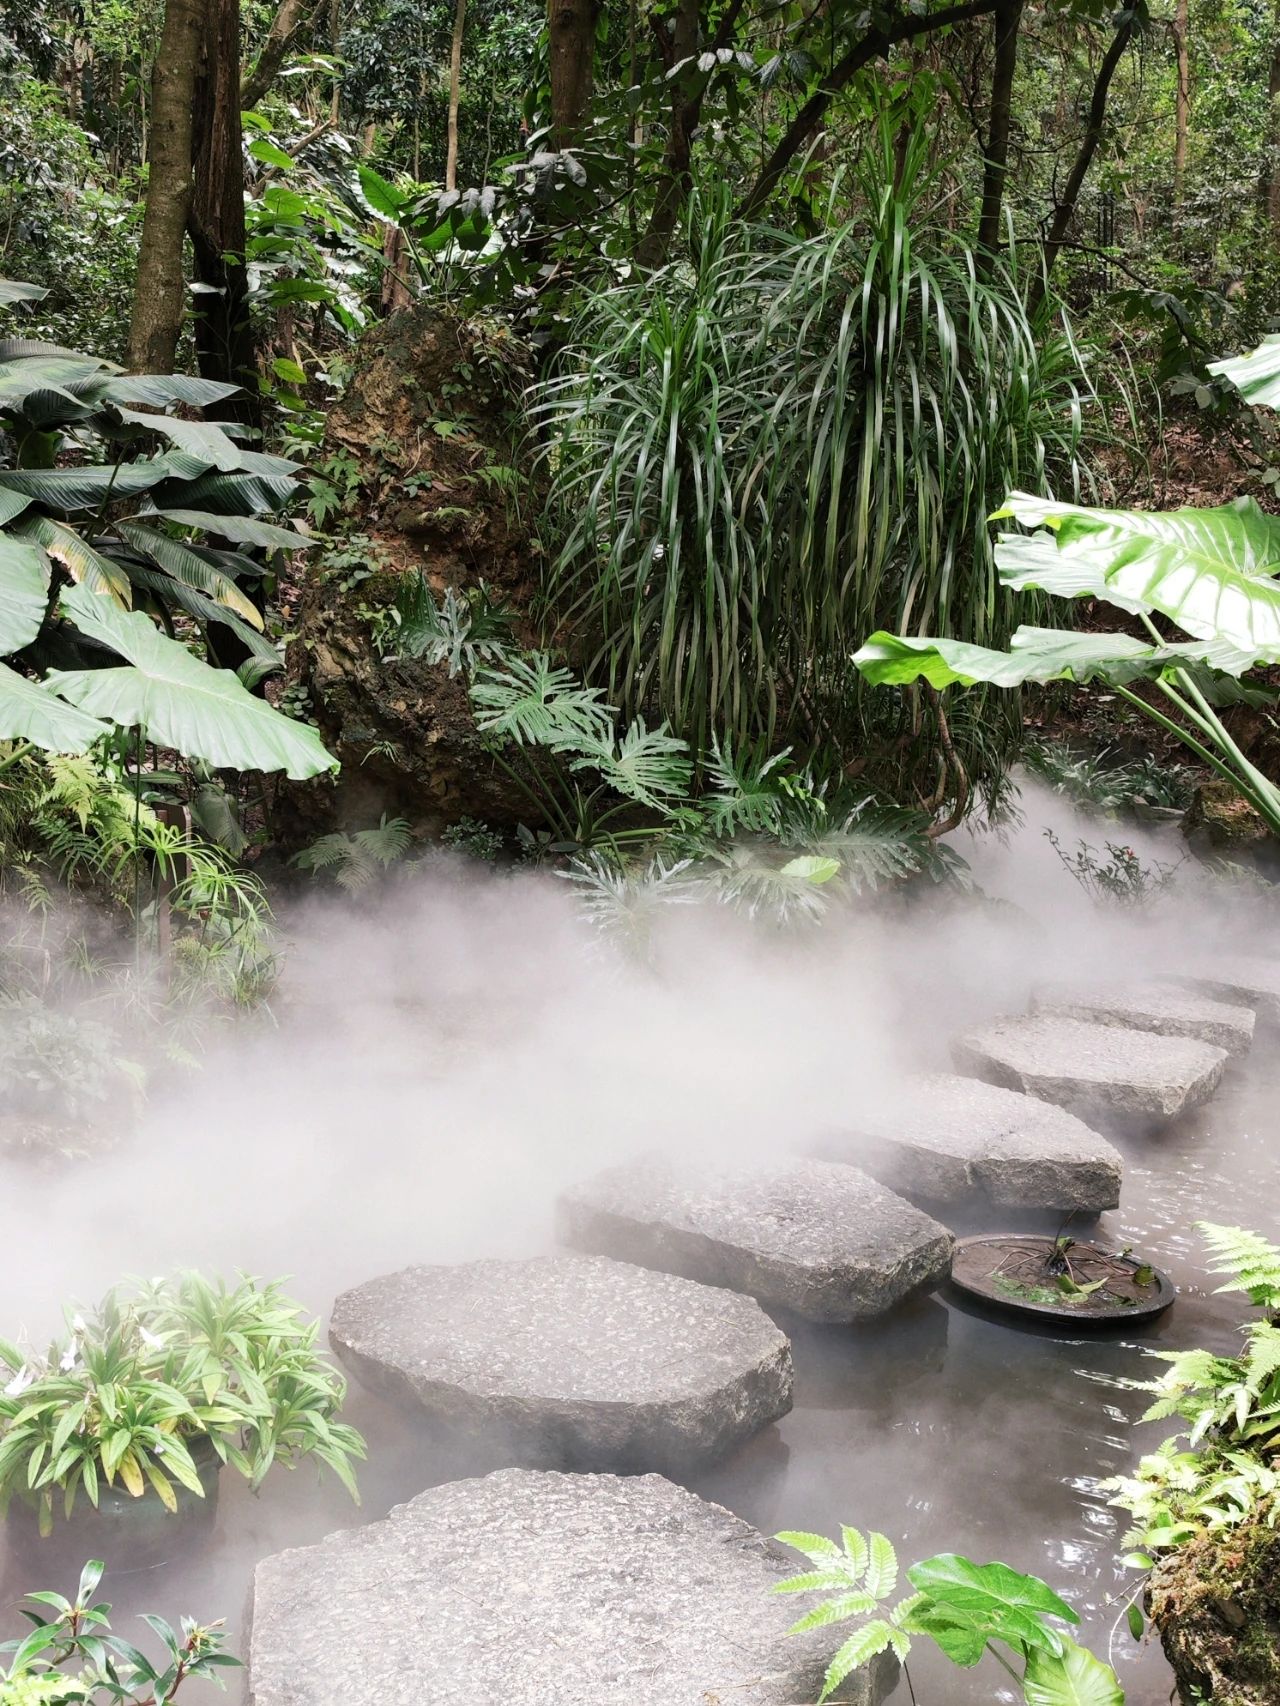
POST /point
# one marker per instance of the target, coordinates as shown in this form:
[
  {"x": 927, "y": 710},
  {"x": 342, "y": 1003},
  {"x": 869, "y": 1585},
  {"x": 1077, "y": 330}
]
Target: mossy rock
[
  {"x": 1221, "y": 821},
  {"x": 1216, "y": 1603}
]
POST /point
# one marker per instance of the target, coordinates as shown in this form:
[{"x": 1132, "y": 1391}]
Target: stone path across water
[
  {"x": 946, "y": 1138},
  {"x": 534, "y": 1589},
  {"x": 1163, "y": 1008},
  {"x": 569, "y": 1361},
  {"x": 1096, "y": 1071},
  {"x": 1251, "y": 980},
  {"x": 817, "y": 1238}
]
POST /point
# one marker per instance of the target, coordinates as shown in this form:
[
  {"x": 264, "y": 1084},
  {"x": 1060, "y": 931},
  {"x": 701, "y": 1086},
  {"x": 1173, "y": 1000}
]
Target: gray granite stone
[
  {"x": 815, "y": 1237},
  {"x": 1160, "y": 1007},
  {"x": 570, "y": 1361},
  {"x": 526, "y": 1589},
  {"x": 948, "y": 1138},
  {"x": 1252, "y": 980},
  {"x": 1097, "y": 1071}
]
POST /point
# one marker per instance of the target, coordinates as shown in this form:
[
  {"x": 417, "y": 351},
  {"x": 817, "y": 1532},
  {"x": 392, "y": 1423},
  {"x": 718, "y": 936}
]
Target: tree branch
[{"x": 284, "y": 26}]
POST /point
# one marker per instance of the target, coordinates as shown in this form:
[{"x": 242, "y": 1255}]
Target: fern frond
[{"x": 1252, "y": 1261}]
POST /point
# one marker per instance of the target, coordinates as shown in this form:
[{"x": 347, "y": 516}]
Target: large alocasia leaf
[
  {"x": 1257, "y": 375},
  {"x": 24, "y": 592},
  {"x": 90, "y": 487},
  {"x": 181, "y": 702},
  {"x": 1209, "y": 570},
  {"x": 1076, "y": 1678},
  {"x": 1035, "y": 654},
  {"x": 992, "y": 1598},
  {"x": 30, "y": 712},
  {"x": 78, "y": 558}
]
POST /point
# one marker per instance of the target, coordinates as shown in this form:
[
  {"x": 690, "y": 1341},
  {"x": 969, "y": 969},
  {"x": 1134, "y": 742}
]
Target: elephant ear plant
[
  {"x": 71, "y": 1658},
  {"x": 1212, "y": 573},
  {"x": 167, "y": 1378}
]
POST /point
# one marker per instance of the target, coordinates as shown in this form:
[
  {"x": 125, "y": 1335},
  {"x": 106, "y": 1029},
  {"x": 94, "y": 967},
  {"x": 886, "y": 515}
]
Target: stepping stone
[
  {"x": 947, "y": 1138},
  {"x": 817, "y": 1238},
  {"x": 570, "y": 1361},
  {"x": 530, "y": 1589},
  {"x": 1097, "y": 1071},
  {"x": 1254, "y": 982},
  {"x": 1162, "y": 1008}
]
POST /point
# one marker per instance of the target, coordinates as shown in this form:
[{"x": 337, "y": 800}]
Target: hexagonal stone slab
[
  {"x": 815, "y": 1237},
  {"x": 531, "y": 1589},
  {"x": 948, "y": 1138},
  {"x": 1163, "y": 1008},
  {"x": 570, "y": 1361},
  {"x": 1097, "y": 1071}
]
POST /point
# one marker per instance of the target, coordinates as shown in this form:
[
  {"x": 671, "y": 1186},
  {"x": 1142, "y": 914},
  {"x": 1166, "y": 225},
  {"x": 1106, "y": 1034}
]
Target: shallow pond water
[{"x": 451, "y": 1074}]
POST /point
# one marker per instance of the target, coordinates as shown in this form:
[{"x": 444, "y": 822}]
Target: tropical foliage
[{"x": 158, "y": 1373}]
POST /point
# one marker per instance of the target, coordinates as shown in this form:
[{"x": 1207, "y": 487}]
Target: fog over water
[{"x": 451, "y": 1054}]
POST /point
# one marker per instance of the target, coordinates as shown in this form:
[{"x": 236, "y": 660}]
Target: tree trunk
[
  {"x": 571, "y": 28},
  {"x": 1008, "y": 16},
  {"x": 160, "y": 293},
  {"x": 455, "y": 84},
  {"x": 1065, "y": 211},
  {"x": 1182, "y": 98},
  {"x": 1269, "y": 187},
  {"x": 224, "y": 335},
  {"x": 680, "y": 47},
  {"x": 284, "y": 26}
]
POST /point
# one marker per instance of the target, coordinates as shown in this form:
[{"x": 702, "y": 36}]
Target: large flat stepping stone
[
  {"x": 1252, "y": 981},
  {"x": 527, "y": 1589},
  {"x": 1097, "y": 1071},
  {"x": 1160, "y": 1007},
  {"x": 948, "y": 1138},
  {"x": 815, "y": 1237},
  {"x": 570, "y": 1361}
]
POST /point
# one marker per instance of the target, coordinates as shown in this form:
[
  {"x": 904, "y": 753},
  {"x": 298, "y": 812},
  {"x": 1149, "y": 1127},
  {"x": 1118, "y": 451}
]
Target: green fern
[
  {"x": 357, "y": 860},
  {"x": 859, "y": 1577},
  {"x": 1252, "y": 1261},
  {"x": 463, "y": 630}
]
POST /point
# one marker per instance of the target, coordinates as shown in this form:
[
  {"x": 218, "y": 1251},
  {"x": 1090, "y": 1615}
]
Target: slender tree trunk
[
  {"x": 571, "y": 29},
  {"x": 679, "y": 47},
  {"x": 284, "y": 26},
  {"x": 160, "y": 293},
  {"x": 455, "y": 86},
  {"x": 1065, "y": 211},
  {"x": 224, "y": 335},
  {"x": 1269, "y": 185},
  {"x": 335, "y": 48},
  {"x": 1008, "y": 17},
  {"x": 1182, "y": 97}
]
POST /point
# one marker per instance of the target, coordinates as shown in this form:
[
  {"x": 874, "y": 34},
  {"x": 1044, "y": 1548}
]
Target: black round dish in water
[{"x": 1012, "y": 1273}]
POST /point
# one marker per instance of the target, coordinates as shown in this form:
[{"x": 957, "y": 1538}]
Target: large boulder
[
  {"x": 424, "y": 446},
  {"x": 1216, "y": 1603},
  {"x": 816, "y": 1238},
  {"x": 569, "y": 1362},
  {"x": 527, "y": 1589}
]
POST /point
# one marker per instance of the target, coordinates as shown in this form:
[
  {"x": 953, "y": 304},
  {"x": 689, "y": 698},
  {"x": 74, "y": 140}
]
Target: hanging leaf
[
  {"x": 161, "y": 389},
  {"x": 79, "y": 559},
  {"x": 383, "y": 198},
  {"x": 1076, "y": 1678},
  {"x": 181, "y": 702},
  {"x": 24, "y": 592},
  {"x": 12, "y": 291},
  {"x": 180, "y": 561},
  {"x": 1035, "y": 654},
  {"x": 70, "y": 489},
  {"x": 30, "y": 712},
  {"x": 205, "y": 610},
  {"x": 1257, "y": 375},
  {"x": 241, "y": 529},
  {"x": 204, "y": 439}
]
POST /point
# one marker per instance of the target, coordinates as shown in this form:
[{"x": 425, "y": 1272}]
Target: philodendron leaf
[
  {"x": 24, "y": 591},
  {"x": 1035, "y": 654},
  {"x": 1209, "y": 570},
  {"x": 1010, "y": 1606},
  {"x": 1075, "y": 1678},
  {"x": 181, "y": 702},
  {"x": 30, "y": 712},
  {"x": 1257, "y": 375}
]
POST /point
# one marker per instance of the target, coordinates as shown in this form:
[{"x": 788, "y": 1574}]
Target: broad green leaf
[
  {"x": 1036, "y": 654},
  {"x": 11, "y": 504},
  {"x": 1076, "y": 1678},
  {"x": 243, "y": 530},
  {"x": 204, "y": 439},
  {"x": 1257, "y": 375},
  {"x": 30, "y": 712},
  {"x": 160, "y": 389},
  {"x": 71, "y": 489},
  {"x": 12, "y": 291},
  {"x": 264, "y": 655},
  {"x": 1011, "y": 1605},
  {"x": 1209, "y": 570},
  {"x": 181, "y": 702},
  {"x": 962, "y": 1639},
  {"x": 24, "y": 591},
  {"x": 180, "y": 561},
  {"x": 85, "y": 565},
  {"x": 813, "y": 868},
  {"x": 381, "y": 196},
  {"x": 270, "y": 155}
]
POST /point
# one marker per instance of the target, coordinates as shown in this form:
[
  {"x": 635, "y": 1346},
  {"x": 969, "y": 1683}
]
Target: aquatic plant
[
  {"x": 965, "y": 1609},
  {"x": 71, "y": 1658},
  {"x": 162, "y": 1373}
]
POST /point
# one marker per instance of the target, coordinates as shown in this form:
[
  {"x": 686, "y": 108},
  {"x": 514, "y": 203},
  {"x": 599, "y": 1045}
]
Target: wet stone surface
[
  {"x": 1251, "y": 980},
  {"x": 945, "y": 1137},
  {"x": 569, "y": 1361},
  {"x": 1163, "y": 1008},
  {"x": 1100, "y": 1072},
  {"x": 822, "y": 1240},
  {"x": 535, "y": 1589}
]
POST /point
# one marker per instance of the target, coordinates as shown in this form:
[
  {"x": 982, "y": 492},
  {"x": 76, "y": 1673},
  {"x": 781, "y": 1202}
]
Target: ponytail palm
[{"x": 761, "y": 455}]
